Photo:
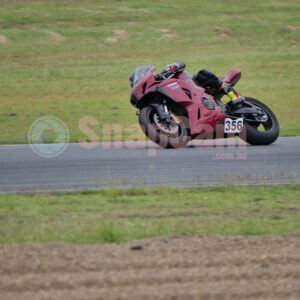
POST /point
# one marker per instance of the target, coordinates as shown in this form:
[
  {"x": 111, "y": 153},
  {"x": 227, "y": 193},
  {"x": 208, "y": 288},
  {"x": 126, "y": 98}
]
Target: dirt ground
[{"x": 179, "y": 267}]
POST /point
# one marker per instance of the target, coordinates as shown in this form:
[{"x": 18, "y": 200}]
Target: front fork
[{"x": 167, "y": 113}]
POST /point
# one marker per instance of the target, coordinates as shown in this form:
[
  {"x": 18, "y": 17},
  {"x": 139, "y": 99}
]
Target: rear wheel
[
  {"x": 262, "y": 128},
  {"x": 172, "y": 135}
]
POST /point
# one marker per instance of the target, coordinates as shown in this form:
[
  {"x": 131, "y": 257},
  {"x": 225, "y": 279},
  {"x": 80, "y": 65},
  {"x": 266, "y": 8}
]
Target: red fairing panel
[
  {"x": 201, "y": 119},
  {"x": 145, "y": 85},
  {"x": 208, "y": 118}
]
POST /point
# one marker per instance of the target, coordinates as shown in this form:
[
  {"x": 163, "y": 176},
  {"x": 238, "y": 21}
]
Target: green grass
[
  {"x": 123, "y": 215},
  {"x": 78, "y": 74}
]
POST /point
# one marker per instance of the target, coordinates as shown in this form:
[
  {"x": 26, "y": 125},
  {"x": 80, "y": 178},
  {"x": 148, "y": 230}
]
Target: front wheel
[
  {"x": 173, "y": 135},
  {"x": 262, "y": 128}
]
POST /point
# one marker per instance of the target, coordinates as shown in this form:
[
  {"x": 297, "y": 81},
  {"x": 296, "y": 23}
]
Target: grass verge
[{"x": 123, "y": 215}]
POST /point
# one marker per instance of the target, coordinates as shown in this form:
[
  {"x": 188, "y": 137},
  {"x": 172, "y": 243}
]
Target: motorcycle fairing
[{"x": 184, "y": 91}]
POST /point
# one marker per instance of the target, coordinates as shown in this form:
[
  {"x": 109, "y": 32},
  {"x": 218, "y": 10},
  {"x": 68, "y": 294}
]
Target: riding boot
[{"x": 235, "y": 98}]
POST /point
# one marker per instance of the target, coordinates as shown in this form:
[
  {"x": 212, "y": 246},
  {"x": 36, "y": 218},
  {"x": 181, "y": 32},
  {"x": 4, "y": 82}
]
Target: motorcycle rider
[{"x": 204, "y": 78}]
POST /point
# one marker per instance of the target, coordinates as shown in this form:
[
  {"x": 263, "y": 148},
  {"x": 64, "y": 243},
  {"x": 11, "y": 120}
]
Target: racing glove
[
  {"x": 174, "y": 68},
  {"x": 169, "y": 70}
]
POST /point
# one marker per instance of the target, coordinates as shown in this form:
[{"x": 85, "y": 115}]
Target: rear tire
[
  {"x": 176, "y": 137},
  {"x": 252, "y": 135}
]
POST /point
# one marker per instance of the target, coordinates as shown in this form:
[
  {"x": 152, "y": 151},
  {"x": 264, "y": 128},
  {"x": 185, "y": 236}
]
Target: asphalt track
[{"x": 137, "y": 164}]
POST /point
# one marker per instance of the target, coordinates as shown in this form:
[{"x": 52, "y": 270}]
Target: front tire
[
  {"x": 251, "y": 133},
  {"x": 176, "y": 136}
]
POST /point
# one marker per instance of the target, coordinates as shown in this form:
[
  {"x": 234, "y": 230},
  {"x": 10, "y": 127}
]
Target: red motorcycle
[{"x": 174, "y": 110}]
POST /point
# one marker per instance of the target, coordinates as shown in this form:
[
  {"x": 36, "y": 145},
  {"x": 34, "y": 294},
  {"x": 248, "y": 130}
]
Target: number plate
[{"x": 233, "y": 126}]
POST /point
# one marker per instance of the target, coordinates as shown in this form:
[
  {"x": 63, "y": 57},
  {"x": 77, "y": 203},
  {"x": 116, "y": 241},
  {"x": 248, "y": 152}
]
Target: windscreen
[{"x": 138, "y": 74}]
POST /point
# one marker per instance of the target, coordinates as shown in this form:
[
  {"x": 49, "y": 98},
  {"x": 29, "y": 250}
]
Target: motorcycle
[{"x": 174, "y": 110}]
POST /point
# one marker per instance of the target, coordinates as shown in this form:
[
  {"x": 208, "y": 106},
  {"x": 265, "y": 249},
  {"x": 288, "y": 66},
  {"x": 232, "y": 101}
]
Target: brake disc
[{"x": 171, "y": 129}]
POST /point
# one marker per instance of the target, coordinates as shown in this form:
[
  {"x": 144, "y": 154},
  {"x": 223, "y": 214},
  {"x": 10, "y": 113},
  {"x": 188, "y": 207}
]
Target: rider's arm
[
  {"x": 171, "y": 69},
  {"x": 174, "y": 68}
]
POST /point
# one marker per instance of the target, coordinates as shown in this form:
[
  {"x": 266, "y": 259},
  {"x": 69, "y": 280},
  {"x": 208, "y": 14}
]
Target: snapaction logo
[{"x": 46, "y": 130}]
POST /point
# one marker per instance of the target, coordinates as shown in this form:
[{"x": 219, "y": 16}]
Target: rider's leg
[
  {"x": 229, "y": 91},
  {"x": 210, "y": 81}
]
